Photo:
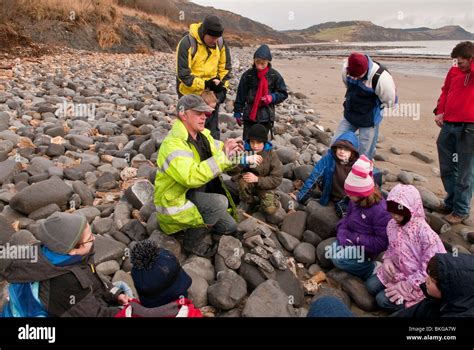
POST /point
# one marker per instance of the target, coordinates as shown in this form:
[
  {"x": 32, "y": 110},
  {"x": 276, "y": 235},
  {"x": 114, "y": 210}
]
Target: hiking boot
[
  {"x": 443, "y": 209},
  {"x": 198, "y": 241},
  {"x": 455, "y": 219}
]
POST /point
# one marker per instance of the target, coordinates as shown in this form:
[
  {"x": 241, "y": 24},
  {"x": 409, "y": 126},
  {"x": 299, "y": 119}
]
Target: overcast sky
[{"x": 298, "y": 14}]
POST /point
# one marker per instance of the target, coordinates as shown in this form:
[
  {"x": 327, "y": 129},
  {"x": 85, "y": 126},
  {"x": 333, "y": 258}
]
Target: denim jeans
[
  {"x": 377, "y": 289},
  {"x": 456, "y": 161},
  {"x": 329, "y": 306},
  {"x": 367, "y": 136},
  {"x": 125, "y": 287},
  {"x": 343, "y": 260},
  {"x": 213, "y": 209}
]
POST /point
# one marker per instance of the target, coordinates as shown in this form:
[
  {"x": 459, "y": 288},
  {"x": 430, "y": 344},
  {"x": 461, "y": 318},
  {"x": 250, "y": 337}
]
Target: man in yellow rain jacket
[
  {"x": 190, "y": 195},
  {"x": 203, "y": 62}
]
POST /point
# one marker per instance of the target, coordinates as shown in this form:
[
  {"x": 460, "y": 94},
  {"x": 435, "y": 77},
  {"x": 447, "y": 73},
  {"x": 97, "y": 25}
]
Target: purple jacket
[{"x": 366, "y": 227}]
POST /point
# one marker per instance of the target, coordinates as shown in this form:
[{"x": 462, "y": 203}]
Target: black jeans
[{"x": 212, "y": 123}]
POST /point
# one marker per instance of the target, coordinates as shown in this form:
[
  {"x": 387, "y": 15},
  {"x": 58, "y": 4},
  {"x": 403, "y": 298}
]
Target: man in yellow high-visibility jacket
[
  {"x": 190, "y": 195},
  {"x": 203, "y": 62}
]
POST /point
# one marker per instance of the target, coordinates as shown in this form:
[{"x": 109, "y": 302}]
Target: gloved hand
[
  {"x": 238, "y": 118},
  {"x": 211, "y": 85},
  {"x": 266, "y": 100}
]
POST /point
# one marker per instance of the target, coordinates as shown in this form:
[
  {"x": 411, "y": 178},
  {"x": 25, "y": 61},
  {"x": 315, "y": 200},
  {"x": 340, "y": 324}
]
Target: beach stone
[
  {"x": 4, "y": 121},
  {"x": 135, "y": 230},
  {"x": 41, "y": 194},
  {"x": 430, "y": 200},
  {"x": 322, "y": 219},
  {"x": 291, "y": 286},
  {"x": 268, "y": 300},
  {"x": 140, "y": 193},
  {"x": 86, "y": 194},
  {"x": 355, "y": 288},
  {"x": 228, "y": 291},
  {"x": 311, "y": 237},
  {"x": 231, "y": 250},
  {"x": 81, "y": 141},
  {"x": 108, "y": 267},
  {"x": 106, "y": 182},
  {"x": 8, "y": 169},
  {"x": 121, "y": 214},
  {"x": 90, "y": 213},
  {"x": 197, "y": 292},
  {"x": 314, "y": 269},
  {"x": 303, "y": 172},
  {"x": 103, "y": 225},
  {"x": 201, "y": 266},
  {"x": 395, "y": 150},
  {"x": 169, "y": 243},
  {"x": 252, "y": 275},
  {"x": 305, "y": 253},
  {"x": 107, "y": 249},
  {"x": 295, "y": 224},
  {"x": 288, "y": 241},
  {"x": 321, "y": 252},
  {"x": 44, "y": 212},
  {"x": 423, "y": 157},
  {"x": 406, "y": 178},
  {"x": 286, "y": 155},
  {"x": 286, "y": 186}
]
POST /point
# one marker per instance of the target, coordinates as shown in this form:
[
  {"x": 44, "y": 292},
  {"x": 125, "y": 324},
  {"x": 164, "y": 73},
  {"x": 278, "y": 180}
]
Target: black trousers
[{"x": 212, "y": 123}]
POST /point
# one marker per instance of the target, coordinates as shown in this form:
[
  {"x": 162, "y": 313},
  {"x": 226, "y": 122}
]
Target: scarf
[{"x": 262, "y": 91}]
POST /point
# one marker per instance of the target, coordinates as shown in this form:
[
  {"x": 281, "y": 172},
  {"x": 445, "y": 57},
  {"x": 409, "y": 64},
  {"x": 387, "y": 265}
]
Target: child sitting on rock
[
  {"x": 330, "y": 173},
  {"x": 259, "y": 173},
  {"x": 162, "y": 285},
  {"x": 362, "y": 233},
  {"x": 64, "y": 281},
  {"x": 260, "y": 89},
  {"x": 412, "y": 243},
  {"x": 449, "y": 289}
]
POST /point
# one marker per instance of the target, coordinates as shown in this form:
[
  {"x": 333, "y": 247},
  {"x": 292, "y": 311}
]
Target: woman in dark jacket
[{"x": 260, "y": 89}]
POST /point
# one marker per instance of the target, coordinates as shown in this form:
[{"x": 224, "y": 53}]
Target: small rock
[
  {"x": 90, "y": 213},
  {"x": 286, "y": 155},
  {"x": 103, "y": 225},
  {"x": 231, "y": 250},
  {"x": 228, "y": 291},
  {"x": 288, "y": 241},
  {"x": 86, "y": 194},
  {"x": 134, "y": 230},
  {"x": 252, "y": 275},
  {"x": 406, "y": 178},
  {"x": 197, "y": 292},
  {"x": 169, "y": 243},
  {"x": 263, "y": 264},
  {"x": 41, "y": 194},
  {"x": 278, "y": 260},
  {"x": 140, "y": 193},
  {"x": 429, "y": 199},
  {"x": 108, "y": 267},
  {"x": 422, "y": 156},
  {"x": 106, "y": 182},
  {"x": 107, "y": 249},
  {"x": 395, "y": 150},
  {"x": 322, "y": 218},
  {"x": 323, "y": 258},
  {"x": 314, "y": 269},
  {"x": 44, "y": 212},
  {"x": 201, "y": 266},
  {"x": 295, "y": 224},
  {"x": 311, "y": 237},
  {"x": 268, "y": 300},
  {"x": 305, "y": 253},
  {"x": 8, "y": 169},
  {"x": 303, "y": 172}
]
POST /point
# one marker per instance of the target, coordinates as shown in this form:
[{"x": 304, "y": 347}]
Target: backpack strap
[
  {"x": 193, "y": 43},
  {"x": 376, "y": 77}
]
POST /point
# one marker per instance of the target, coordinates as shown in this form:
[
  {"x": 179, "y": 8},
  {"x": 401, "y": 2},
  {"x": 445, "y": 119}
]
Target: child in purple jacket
[
  {"x": 362, "y": 233},
  {"x": 412, "y": 243}
]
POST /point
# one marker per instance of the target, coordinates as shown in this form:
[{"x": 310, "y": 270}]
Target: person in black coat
[
  {"x": 449, "y": 288},
  {"x": 260, "y": 89}
]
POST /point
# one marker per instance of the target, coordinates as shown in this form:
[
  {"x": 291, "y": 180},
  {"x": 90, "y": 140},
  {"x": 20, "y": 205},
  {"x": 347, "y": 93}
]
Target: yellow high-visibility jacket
[
  {"x": 206, "y": 63},
  {"x": 181, "y": 169}
]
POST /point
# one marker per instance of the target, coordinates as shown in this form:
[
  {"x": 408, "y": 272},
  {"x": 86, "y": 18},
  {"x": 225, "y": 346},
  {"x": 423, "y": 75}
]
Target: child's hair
[
  {"x": 373, "y": 199},
  {"x": 353, "y": 156},
  {"x": 209, "y": 97},
  {"x": 432, "y": 269},
  {"x": 399, "y": 209}
]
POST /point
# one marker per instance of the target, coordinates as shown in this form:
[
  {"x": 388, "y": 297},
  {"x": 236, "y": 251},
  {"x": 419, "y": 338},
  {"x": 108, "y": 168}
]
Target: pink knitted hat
[{"x": 360, "y": 182}]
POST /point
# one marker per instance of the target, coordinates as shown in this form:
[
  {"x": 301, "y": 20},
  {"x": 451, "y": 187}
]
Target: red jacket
[
  {"x": 179, "y": 308},
  {"x": 457, "y": 96}
]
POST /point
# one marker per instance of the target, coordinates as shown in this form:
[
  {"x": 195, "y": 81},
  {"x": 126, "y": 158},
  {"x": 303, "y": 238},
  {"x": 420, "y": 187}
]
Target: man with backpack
[
  {"x": 370, "y": 88},
  {"x": 63, "y": 282},
  {"x": 203, "y": 63}
]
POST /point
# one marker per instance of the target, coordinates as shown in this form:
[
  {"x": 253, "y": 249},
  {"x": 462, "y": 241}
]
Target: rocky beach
[{"x": 80, "y": 132}]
